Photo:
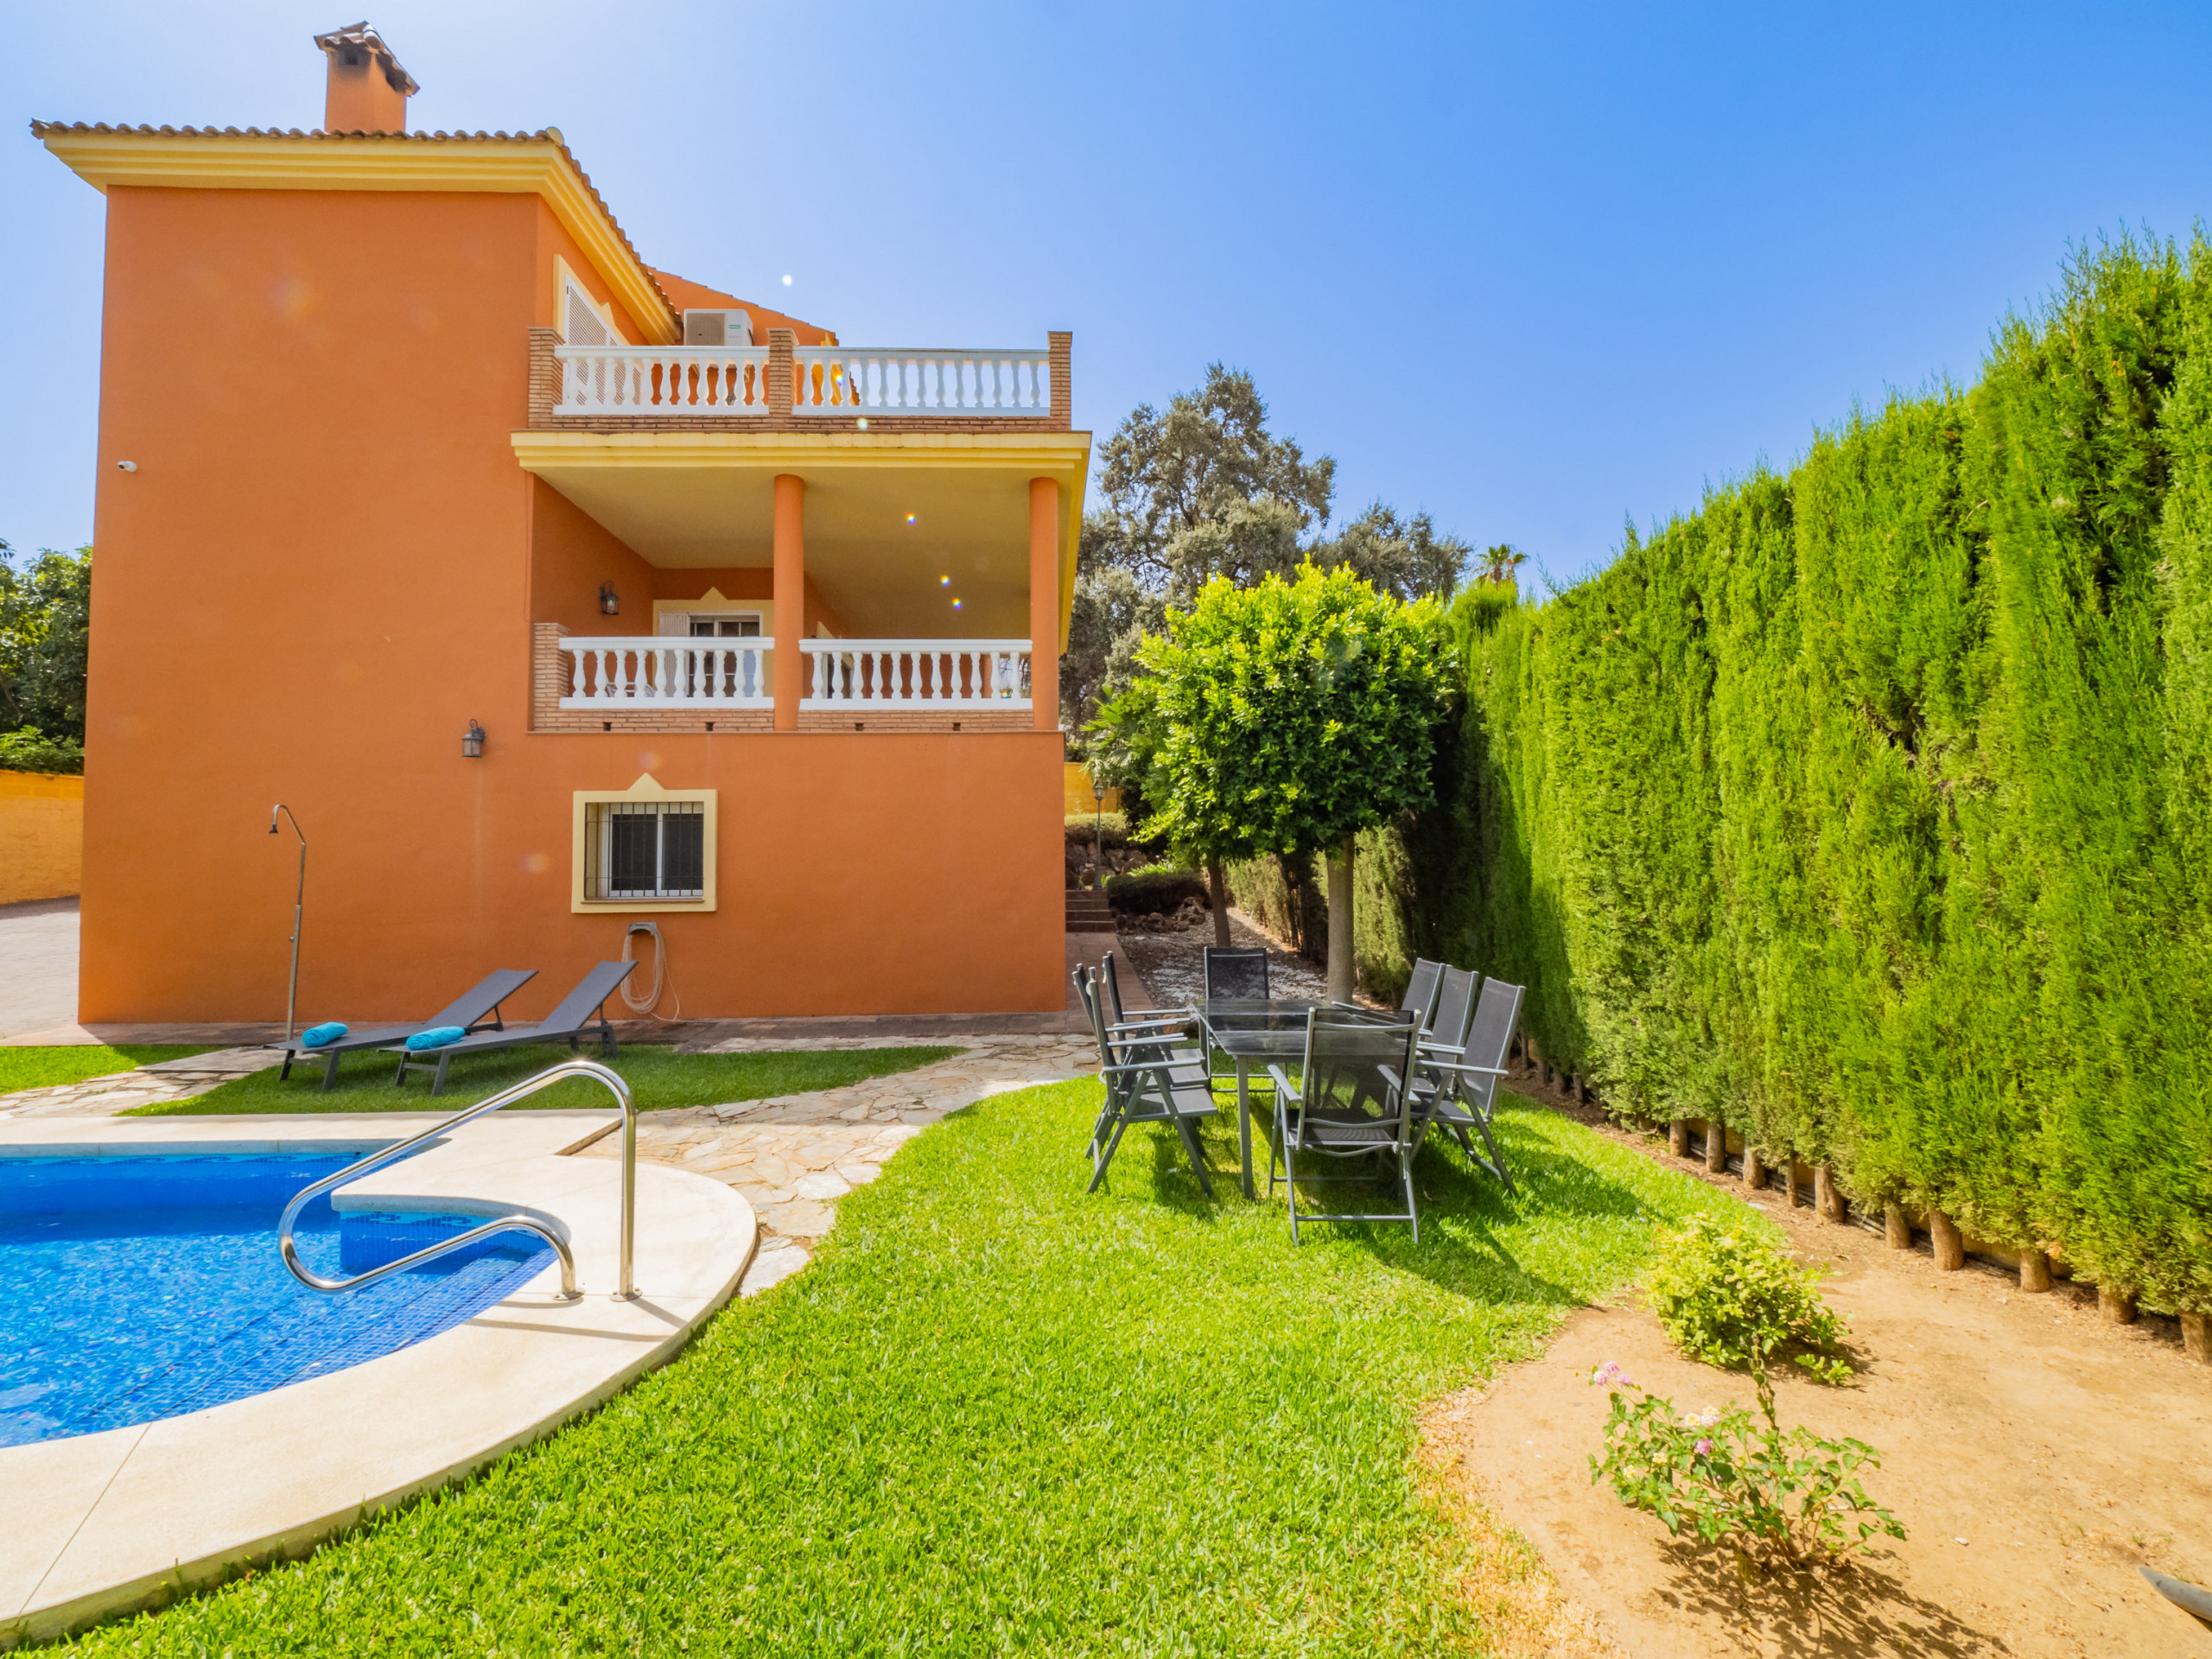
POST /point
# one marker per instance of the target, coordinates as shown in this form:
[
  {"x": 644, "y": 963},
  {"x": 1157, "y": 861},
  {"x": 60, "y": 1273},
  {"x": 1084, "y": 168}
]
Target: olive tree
[{"x": 1286, "y": 717}]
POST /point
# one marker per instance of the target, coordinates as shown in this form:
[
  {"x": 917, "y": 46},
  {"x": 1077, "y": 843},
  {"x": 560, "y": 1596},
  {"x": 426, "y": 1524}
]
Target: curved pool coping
[{"x": 128, "y": 1518}]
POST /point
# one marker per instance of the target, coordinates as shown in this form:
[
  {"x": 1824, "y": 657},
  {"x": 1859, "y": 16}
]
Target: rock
[{"x": 772, "y": 1265}]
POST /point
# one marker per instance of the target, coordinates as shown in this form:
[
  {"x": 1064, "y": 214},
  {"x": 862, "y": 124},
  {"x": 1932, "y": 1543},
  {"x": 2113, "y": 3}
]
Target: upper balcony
[{"x": 784, "y": 386}]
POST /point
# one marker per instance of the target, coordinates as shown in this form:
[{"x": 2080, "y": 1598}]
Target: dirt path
[{"x": 2035, "y": 1454}]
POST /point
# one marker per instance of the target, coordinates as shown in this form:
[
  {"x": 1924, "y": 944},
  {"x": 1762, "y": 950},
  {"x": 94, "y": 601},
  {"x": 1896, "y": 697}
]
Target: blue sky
[{"x": 1535, "y": 269}]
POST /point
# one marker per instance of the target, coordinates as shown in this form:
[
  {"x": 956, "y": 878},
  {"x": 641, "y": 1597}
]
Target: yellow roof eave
[{"x": 523, "y": 164}]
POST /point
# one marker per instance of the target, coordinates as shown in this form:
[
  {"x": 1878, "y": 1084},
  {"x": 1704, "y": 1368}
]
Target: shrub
[
  {"x": 1766, "y": 1492},
  {"x": 1112, "y": 828},
  {"x": 1729, "y": 1296},
  {"x": 1154, "y": 890},
  {"x": 31, "y": 750}
]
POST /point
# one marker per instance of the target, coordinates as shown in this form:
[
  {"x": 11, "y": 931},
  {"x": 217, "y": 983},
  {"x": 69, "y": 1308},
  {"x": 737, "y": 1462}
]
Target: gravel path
[{"x": 1174, "y": 964}]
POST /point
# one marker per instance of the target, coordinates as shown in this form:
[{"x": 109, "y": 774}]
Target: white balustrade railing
[
  {"x": 856, "y": 380},
  {"x": 929, "y": 674},
  {"x": 730, "y": 381},
  {"x": 650, "y": 671}
]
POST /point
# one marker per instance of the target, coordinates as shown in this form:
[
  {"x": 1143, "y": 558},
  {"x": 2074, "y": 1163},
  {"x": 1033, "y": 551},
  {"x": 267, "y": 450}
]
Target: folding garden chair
[
  {"x": 1241, "y": 972},
  {"x": 1421, "y": 989},
  {"x": 1452, "y": 1002},
  {"x": 1167, "y": 1022},
  {"x": 1141, "y": 1088},
  {"x": 1347, "y": 1103},
  {"x": 1460, "y": 1090}
]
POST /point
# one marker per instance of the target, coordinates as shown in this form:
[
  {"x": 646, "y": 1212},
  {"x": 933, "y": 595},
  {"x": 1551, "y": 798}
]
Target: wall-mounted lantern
[
  {"x": 610, "y": 602},
  {"x": 472, "y": 741}
]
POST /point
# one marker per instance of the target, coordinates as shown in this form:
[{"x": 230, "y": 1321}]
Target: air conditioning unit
[{"x": 717, "y": 327}]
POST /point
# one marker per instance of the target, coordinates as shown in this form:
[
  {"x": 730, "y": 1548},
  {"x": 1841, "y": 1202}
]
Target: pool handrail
[{"x": 578, "y": 1067}]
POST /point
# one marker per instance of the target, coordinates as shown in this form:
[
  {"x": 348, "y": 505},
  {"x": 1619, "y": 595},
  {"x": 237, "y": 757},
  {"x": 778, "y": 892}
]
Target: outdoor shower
[{"x": 299, "y": 900}]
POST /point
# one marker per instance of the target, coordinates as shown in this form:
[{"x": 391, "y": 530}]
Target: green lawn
[
  {"x": 658, "y": 1077},
  {"x": 996, "y": 1416},
  {"x": 36, "y": 1068}
]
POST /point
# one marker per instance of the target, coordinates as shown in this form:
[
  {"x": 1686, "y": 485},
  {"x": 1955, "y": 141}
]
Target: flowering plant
[{"x": 1767, "y": 1491}]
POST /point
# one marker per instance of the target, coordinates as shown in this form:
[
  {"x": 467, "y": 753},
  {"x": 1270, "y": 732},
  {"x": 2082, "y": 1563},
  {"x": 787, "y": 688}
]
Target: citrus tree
[{"x": 1286, "y": 717}]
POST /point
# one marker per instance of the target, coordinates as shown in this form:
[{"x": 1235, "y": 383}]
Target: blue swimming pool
[{"x": 135, "y": 1288}]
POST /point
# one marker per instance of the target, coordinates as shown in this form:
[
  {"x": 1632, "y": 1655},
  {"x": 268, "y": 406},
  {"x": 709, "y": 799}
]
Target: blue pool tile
[{"x": 137, "y": 1288}]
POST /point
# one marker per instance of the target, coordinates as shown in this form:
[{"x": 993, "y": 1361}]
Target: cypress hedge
[{"x": 1868, "y": 808}]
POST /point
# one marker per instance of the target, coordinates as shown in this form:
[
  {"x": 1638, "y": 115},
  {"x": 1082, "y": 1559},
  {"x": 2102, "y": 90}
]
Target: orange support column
[
  {"x": 1044, "y": 603},
  {"x": 790, "y": 672}
]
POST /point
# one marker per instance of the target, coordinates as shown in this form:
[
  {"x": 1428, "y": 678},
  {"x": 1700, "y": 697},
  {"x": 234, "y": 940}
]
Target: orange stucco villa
[{"x": 399, "y": 436}]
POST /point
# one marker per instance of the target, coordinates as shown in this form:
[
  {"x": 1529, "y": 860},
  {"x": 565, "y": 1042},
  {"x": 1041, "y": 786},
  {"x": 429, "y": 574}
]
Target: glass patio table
[{"x": 1243, "y": 1030}]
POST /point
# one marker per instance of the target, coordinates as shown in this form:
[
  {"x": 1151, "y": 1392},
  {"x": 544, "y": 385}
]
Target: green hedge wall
[{"x": 1868, "y": 808}]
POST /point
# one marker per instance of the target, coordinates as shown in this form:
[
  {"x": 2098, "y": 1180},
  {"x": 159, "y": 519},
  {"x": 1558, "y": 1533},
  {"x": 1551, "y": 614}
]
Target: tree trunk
[
  {"x": 1716, "y": 1147},
  {"x": 1826, "y": 1200},
  {"x": 1754, "y": 1167},
  {"x": 2196, "y": 1338},
  {"x": 1950, "y": 1249},
  {"x": 1340, "y": 922},
  {"x": 2116, "y": 1303},
  {"x": 1896, "y": 1227},
  {"x": 1218, "y": 892},
  {"x": 2035, "y": 1270},
  {"x": 1678, "y": 1137}
]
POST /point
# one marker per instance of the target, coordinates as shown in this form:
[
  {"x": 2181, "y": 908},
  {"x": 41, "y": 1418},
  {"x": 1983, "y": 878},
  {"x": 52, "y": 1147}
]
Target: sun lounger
[
  {"x": 476, "y": 1007},
  {"x": 571, "y": 1020}
]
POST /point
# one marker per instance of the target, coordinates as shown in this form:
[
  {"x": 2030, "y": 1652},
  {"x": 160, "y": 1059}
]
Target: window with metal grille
[{"x": 644, "y": 849}]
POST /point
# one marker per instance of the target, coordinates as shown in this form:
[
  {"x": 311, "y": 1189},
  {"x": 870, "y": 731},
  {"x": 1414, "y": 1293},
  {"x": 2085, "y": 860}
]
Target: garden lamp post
[
  {"x": 1099, "y": 835},
  {"x": 299, "y": 900}
]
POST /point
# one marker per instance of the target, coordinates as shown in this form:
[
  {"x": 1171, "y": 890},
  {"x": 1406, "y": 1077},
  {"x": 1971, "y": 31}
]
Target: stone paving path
[{"x": 794, "y": 1156}]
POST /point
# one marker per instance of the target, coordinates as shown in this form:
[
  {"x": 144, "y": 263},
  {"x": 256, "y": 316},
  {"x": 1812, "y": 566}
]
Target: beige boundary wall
[{"x": 42, "y": 835}]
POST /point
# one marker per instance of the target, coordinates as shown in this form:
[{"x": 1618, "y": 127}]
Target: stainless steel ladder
[{"x": 627, "y": 1290}]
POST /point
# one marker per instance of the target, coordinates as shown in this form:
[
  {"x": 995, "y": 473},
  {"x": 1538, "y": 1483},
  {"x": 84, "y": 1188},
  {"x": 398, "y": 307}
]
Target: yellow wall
[
  {"x": 42, "y": 835},
  {"x": 1075, "y": 785}
]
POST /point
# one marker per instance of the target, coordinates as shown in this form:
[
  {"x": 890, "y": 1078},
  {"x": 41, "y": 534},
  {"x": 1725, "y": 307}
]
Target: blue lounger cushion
[
  {"x": 328, "y": 1032},
  {"x": 436, "y": 1037}
]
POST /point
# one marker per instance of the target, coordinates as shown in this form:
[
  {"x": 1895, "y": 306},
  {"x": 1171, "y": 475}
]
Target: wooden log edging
[{"x": 2032, "y": 1264}]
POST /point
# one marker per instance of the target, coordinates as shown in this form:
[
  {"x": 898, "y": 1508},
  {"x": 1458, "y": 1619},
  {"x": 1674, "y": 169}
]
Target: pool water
[{"x": 137, "y": 1288}]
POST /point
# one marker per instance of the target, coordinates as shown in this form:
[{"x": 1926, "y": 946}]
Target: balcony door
[{"x": 724, "y": 674}]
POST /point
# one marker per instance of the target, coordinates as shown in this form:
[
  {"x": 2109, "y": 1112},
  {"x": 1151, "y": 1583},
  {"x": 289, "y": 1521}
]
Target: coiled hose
[{"x": 663, "y": 984}]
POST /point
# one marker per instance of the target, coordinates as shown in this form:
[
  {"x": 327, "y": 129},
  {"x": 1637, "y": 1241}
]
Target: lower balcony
[{"x": 644, "y": 682}]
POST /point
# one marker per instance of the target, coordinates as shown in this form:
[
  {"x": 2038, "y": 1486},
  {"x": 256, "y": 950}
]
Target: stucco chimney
[{"x": 367, "y": 91}]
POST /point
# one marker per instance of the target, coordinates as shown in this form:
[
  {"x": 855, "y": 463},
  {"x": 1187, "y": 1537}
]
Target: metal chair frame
[
  {"x": 1459, "y": 1089},
  {"x": 1311, "y": 1120},
  {"x": 1230, "y": 960},
  {"x": 1141, "y": 1087}
]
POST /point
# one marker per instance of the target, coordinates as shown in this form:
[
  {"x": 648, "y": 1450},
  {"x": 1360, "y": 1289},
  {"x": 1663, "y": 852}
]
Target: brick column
[
  {"x": 788, "y": 672},
  {"x": 548, "y": 675},
  {"x": 1058, "y": 348},
  {"x": 545, "y": 376},
  {"x": 782, "y": 342},
  {"x": 1044, "y": 600}
]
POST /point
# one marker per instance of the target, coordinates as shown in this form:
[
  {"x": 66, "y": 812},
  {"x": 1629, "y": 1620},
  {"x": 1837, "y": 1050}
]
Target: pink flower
[
  {"x": 1709, "y": 1416},
  {"x": 1703, "y": 1448}
]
